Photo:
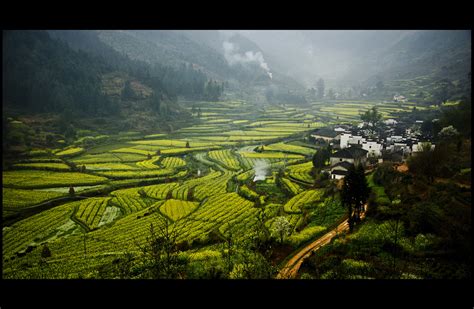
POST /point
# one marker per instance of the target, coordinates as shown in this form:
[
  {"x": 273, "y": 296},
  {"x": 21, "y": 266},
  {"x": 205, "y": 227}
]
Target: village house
[
  {"x": 343, "y": 159},
  {"x": 348, "y": 140},
  {"x": 390, "y": 122},
  {"x": 351, "y": 155},
  {"x": 354, "y": 155},
  {"x": 344, "y": 140},
  {"x": 373, "y": 148},
  {"x": 395, "y": 139},
  {"x": 340, "y": 170},
  {"x": 340, "y": 129},
  {"x": 356, "y": 140},
  {"x": 402, "y": 148},
  {"x": 399, "y": 98}
]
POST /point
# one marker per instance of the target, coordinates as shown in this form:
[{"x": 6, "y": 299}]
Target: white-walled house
[
  {"x": 396, "y": 147},
  {"x": 399, "y": 98},
  {"x": 356, "y": 140},
  {"x": 347, "y": 139},
  {"x": 390, "y": 122},
  {"x": 395, "y": 139},
  {"x": 403, "y": 147},
  {"x": 373, "y": 148},
  {"x": 344, "y": 140}
]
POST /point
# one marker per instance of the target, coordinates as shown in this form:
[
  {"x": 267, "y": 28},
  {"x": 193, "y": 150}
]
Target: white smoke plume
[
  {"x": 260, "y": 167},
  {"x": 233, "y": 57}
]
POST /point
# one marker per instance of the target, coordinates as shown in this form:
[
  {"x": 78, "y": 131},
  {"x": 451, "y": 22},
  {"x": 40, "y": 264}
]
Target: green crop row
[{"x": 305, "y": 198}]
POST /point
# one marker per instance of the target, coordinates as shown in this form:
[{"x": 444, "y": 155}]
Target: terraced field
[
  {"x": 160, "y": 191},
  {"x": 282, "y": 147},
  {"x": 149, "y": 163},
  {"x": 199, "y": 178},
  {"x": 173, "y": 162},
  {"x": 177, "y": 209},
  {"x": 291, "y": 186},
  {"x": 108, "y": 166},
  {"x": 17, "y": 198},
  {"x": 304, "y": 199},
  {"x": 301, "y": 172},
  {"x": 136, "y": 173},
  {"x": 44, "y": 166},
  {"x": 90, "y": 211},
  {"x": 30, "y": 179},
  {"x": 225, "y": 158}
]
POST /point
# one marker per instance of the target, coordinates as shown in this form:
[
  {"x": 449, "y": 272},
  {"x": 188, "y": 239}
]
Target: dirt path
[{"x": 290, "y": 270}]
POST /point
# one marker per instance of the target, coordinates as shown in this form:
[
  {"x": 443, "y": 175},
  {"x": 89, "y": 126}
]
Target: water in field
[
  {"x": 261, "y": 168},
  {"x": 110, "y": 213}
]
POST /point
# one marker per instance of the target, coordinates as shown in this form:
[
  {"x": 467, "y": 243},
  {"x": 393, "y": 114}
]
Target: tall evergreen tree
[{"x": 355, "y": 193}]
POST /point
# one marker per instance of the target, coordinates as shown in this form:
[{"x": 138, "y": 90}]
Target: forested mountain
[
  {"x": 42, "y": 74},
  {"x": 167, "y": 48}
]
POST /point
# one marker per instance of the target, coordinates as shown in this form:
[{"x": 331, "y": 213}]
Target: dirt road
[{"x": 290, "y": 270}]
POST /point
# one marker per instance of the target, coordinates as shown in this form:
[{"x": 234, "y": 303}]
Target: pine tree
[{"x": 355, "y": 193}]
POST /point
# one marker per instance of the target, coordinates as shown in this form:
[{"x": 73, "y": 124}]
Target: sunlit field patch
[
  {"x": 108, "y": 166},
  {"x": 17, "y": 198},
  {"x": 46, "y": 165},
  {"x": 108, "y": 157},
  {"x": 38, "y": 179},
  {"x": 70, "y": 151},
  {"x": 177, "y": 209}
]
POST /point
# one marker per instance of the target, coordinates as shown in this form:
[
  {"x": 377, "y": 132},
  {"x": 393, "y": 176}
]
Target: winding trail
[{"x": 290, "y": 270}]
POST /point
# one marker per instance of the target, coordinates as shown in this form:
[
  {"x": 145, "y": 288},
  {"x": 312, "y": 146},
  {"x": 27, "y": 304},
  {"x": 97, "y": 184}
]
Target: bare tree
[{"x": 161, "y": 252}]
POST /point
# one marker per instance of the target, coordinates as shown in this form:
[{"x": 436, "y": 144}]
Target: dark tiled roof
[
  {"x": 328, "y": 132},
  {"x": 343, "y": 164},
  {"x": 350, "y": 153},
  {"x": 339, "y": 172}
]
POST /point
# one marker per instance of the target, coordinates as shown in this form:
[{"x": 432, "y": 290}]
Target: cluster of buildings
[{"x": 355, "y": 145}]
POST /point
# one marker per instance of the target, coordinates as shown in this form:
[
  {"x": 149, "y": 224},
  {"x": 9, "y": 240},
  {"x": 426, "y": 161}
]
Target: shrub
[{"x": 45, "y": 253}]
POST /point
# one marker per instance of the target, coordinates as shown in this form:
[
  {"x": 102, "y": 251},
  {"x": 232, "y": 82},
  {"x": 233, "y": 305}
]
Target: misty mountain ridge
[{"x": 348, "y": 58}]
